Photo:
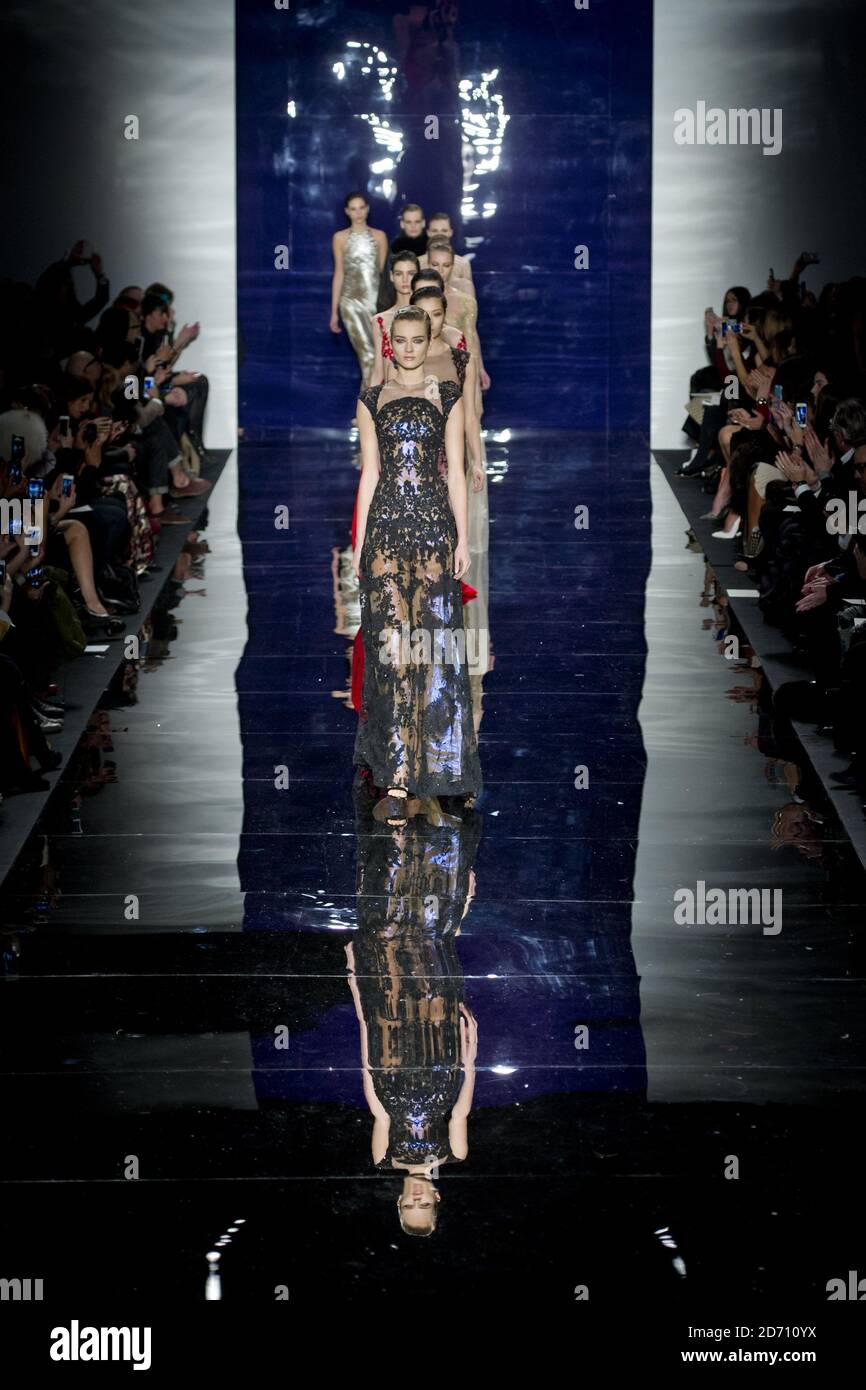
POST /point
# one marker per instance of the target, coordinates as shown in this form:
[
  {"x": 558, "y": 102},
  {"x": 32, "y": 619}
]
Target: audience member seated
[
  {"x": 782, "y": 446},
  {"x": 101, "y": 433}
]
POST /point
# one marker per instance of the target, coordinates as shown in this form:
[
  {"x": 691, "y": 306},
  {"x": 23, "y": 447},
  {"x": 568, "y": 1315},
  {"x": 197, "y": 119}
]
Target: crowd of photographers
[
  {"x": 778, "y": 416},
  {"x": 100, "y": 438}
]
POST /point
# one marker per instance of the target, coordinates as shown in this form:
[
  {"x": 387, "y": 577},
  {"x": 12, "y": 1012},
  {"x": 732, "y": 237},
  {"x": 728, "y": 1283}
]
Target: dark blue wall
[{"x": 563, "y": 346}]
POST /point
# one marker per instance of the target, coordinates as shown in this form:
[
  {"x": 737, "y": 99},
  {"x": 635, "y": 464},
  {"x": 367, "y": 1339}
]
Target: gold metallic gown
[{"x": 358, "y": 295}]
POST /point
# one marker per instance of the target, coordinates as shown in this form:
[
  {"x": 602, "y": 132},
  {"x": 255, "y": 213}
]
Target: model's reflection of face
[{"x": 417, "y": 1204}]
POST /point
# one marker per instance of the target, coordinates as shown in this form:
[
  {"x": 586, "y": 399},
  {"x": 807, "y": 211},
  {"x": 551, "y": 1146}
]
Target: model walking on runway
[
  {"x": 383, "y": 321},
  {"x": 359, "y": 255},
  {"x": 451, "y": 363},
  {"x": 415, "y": 728},
  {"x": 439, "y": 229},
  {"x": 403, "y": 266},
  {"x": 462, "y": 307}
]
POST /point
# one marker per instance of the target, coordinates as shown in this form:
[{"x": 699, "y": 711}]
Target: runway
[
  {"x": 633, "y": 973},
  {"x": 696, "y": 1044}
]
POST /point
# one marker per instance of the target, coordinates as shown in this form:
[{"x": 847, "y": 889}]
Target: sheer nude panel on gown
[{"x": 415, "y": 727}]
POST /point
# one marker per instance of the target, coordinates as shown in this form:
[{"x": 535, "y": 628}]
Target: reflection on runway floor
[{"x": 491, "y": 1015}]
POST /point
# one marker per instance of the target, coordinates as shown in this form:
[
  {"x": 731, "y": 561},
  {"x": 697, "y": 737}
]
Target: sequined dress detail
[
  {"x": 358, "y": 295},
  {"x": 415, "y": 727}
]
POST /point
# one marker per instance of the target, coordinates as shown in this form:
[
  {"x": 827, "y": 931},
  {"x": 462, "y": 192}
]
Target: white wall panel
[
  {"x": 723, "y": 215},
  {"x": 160, "y": 208}
]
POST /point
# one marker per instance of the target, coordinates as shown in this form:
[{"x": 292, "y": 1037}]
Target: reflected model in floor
[{"x": 418, "y": 1036}]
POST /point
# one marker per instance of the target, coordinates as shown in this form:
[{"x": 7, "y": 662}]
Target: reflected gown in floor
[
  {"x": 413, "y": 893},
  {"x": 415, "y": 727}
]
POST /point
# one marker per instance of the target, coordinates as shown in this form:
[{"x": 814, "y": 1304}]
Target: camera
[
  {"x": 36, "y": 487},
  {"x": 800, "y": 414},
  {"x": 732, "y": 326},
  {"x": 67, "y": 485},
  {"x": 36, "y": 577},
  {"x": 89, "y": 434}
]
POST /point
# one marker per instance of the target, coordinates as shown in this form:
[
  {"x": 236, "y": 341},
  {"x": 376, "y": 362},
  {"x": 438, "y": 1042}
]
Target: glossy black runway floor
[{"x": 181, "y": 997}]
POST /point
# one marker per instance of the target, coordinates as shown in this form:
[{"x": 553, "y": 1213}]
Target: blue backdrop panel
[{"x": 543, "y": 145}]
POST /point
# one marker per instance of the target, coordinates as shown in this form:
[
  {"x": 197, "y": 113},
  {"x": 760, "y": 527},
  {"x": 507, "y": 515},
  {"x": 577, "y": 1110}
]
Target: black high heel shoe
[
  {"x": 693, "y": 467},
  {"x": 122, "y": 605},
  {"x": 716, "y": 516},
  {"x": 44, "y": 722},
  {"x": 52, "y": 708},
  {"x": 102, "y": 625}
]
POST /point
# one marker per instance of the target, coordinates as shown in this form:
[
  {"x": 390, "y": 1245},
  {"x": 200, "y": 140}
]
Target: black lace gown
[{"x": 415, "y": 726}]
